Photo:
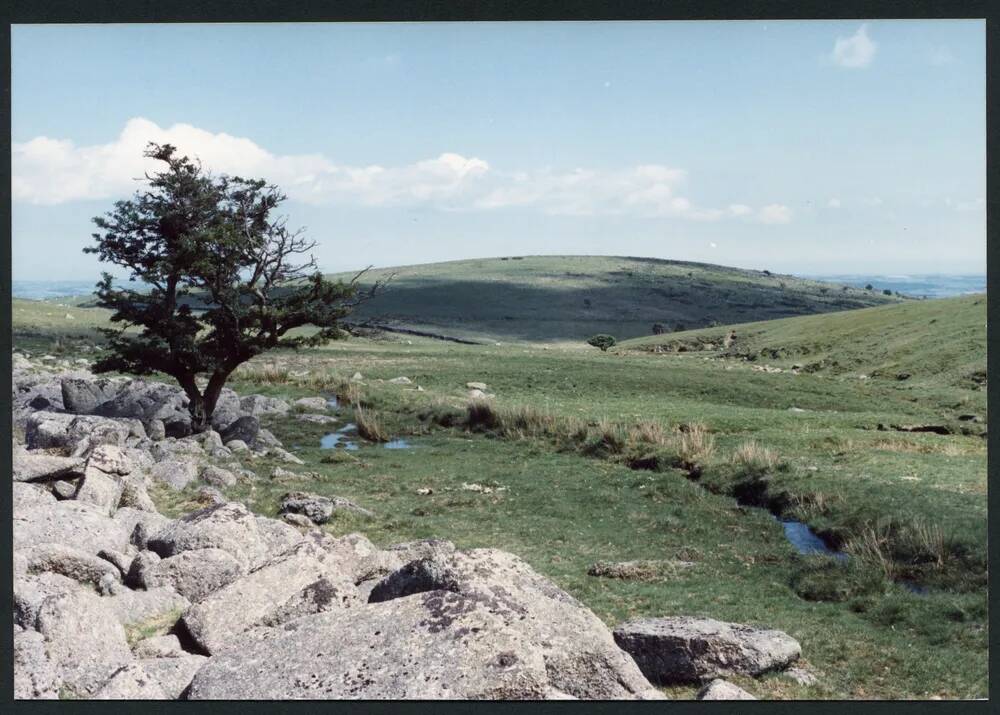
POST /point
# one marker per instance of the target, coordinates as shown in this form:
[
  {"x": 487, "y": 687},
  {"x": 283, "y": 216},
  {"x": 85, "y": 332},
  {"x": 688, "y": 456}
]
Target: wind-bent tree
[{"x": 227, "y": 280}]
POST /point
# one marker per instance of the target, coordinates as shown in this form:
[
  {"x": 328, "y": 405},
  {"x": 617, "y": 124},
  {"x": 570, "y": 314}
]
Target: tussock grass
[
  {"x": 754, "y": 458},
  {"x": 697, "y": 445},
  {"x": 369, "y": 425}
]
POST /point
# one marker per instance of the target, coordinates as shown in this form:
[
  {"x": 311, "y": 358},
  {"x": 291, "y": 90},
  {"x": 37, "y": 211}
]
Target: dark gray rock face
[
  {"x": 82, "y": 396},
  {"x": 580, "y": 655},
  {"x": 693, "y": 650},
  {"x": 146, "y": 401},
  {"x": 244, "y": 429}
]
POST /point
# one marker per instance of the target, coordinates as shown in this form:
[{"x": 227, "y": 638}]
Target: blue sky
[{"x": 811, "y": 147}]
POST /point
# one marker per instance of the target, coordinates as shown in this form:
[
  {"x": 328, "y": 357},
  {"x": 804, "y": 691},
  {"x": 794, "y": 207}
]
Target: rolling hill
[
  {"x": 939, "y": 341},
  {"x": 557, "y": 298}
]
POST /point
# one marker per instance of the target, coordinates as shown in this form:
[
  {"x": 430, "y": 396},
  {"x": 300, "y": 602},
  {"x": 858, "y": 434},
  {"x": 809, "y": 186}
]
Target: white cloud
[
  {"x": 52, "y": 171},
  {"x": 833, "y": 203},
  {"x": 855, "y": 51},
  {"x": 774, "y": 213},
  {"x": 873, "y": 201}
]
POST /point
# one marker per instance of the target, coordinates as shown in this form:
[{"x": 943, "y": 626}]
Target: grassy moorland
[
  {"x": 683, "y": 457},
  {"x": 559, "y": 298}
]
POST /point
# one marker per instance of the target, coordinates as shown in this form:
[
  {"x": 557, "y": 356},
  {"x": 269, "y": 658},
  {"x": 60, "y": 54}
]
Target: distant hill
[
  {"x": 554, "y": 298},
  {"x": 918, "y": 343}
]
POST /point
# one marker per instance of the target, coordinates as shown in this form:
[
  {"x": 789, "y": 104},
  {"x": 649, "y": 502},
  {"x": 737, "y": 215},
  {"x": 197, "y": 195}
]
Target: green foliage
[
  {"x": 602, "y": 341},
  {"x": 228, "y": 281}
]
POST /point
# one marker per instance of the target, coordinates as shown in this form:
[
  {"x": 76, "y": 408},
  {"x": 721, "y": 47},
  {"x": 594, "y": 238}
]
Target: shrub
[
  {"x": 659, "y": 329},
  {"x": 869, "y": 287},
  {"x": 602, "y": 341}
]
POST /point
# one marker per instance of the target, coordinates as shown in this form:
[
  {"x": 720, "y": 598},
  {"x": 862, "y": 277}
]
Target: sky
[{"x": 802, "y": 147}]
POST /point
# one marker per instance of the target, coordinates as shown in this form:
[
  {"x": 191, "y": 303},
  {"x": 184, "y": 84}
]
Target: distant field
[{"x": 570, "y": 298}]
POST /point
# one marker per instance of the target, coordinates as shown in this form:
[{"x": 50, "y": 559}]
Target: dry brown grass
[
  {"x": 696, "y": 445},
  {"x": 754, "y": 457},
  {"x": 369, "y": 425}
]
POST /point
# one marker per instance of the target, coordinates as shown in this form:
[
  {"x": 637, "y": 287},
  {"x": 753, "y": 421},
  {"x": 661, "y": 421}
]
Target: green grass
[
  {"x": 568, "y": 421},
  {"x": 570, "y": 298}
]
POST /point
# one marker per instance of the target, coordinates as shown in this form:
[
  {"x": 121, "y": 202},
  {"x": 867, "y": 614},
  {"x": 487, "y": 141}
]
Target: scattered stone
[
  {"x": 99, "y": 489},
  {"x": 317, "y": 508},
  {"x": 311, "y": 403},
  {"x": 82, "y": 397},
  {"x": 139, "y": 524},
  {"x": 297, "y": 520},
  {"x": 801, "y": 676},
  {"x": 720, "y": 689},
  {"x": 256, "y": 405},
  {"x": 134, "y": 495},
  {"x": 237, "y": 445},
  {"x": 217, "y": 477},
  {"x": 636, "y": 570},
  {"x": 28, "y": 496},
  {"x": 278, "y": 537},
  {"x": 316, "y": 419},
  {"x": 400, "y": 381},
  {"x": 174, "y": 473},
  {"x": 156, "y": 430},
  {"x": 481, "y": 386},
  {"x": 683, "y": 649}
]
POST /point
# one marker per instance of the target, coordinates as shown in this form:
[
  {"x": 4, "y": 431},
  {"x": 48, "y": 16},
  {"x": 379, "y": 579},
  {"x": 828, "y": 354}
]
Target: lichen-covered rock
[
  {"x": 140, "y": 524},
  {"x": 257, "y": 405},
  {"x": 217, "y": 477},
  {"x": 230, "y": 527},
  {"x": 251, "y": 599},
  {"x": 173, "y": 674},
  {"x": 168, "y": 646},
  {"x": 83, "y": 639},
  {"x": 194, "y": 574},
  {"x": 134, "y": 494},
  {"x": 278, "y": 536},
  {"x": 34, "y": 674},
  {"x": 131, "y": 682},
  {"x": 131, "y": 607},
  {"x": 720, "y": 689},
  {"x": 31, "y": 591},
  {"x": 39, "y": 466},
  {"x": 81, "y": 526},
  {"x": 317, "y": 508},
  {"x": 683, "y": 649},
  {"x": 69, "y": 562},
  {"x": 433, "y": 645},
  {"x": 317, "y": 404},
  {"x": 579, "y": 652},
  {"x": 82, "y": 396},
  {"x": 99, "y": 489},
  {"x": 29, "y": 496}
]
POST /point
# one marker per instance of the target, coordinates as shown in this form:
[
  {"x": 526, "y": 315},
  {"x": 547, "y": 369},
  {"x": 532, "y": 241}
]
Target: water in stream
[
  {"x": 806, "y": 541},
  {"x": 340, "y": 438}
]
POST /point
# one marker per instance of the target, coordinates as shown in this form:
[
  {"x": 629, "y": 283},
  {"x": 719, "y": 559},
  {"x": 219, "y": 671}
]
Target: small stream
[
  {"x": 340, "y": 438},
  {"x": 806, "y": 541}
]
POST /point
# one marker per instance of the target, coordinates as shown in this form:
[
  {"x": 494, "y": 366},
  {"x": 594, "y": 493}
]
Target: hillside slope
[
  {"x": 572, "y": 297},
  {"x": 934, "y": 341}
]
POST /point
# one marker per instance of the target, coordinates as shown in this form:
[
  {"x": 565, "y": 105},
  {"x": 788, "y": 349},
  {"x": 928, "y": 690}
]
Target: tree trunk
[{"x": 202, "y": 405}]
